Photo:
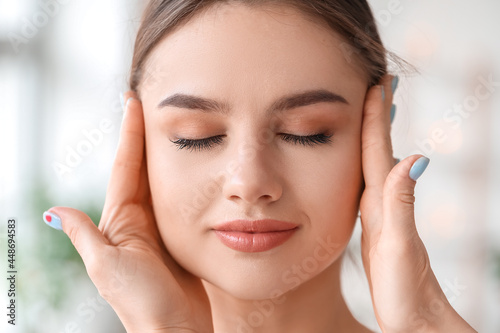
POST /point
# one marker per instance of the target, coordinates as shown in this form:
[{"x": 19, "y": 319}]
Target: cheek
[
  {"x": 180, "y": 190},
  {"x": 174, "y": 180},
  {"x": 178, "y": 203},
  {"x": 173, "y": 183},
  {"x": 335, "y": 202},
  {"x": 184, "y": 187},
  {"x": 329, "y": 188}
]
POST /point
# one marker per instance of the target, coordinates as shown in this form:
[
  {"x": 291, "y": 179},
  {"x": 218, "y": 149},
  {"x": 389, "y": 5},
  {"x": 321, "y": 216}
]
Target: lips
[{"x": 254, "y": 236}]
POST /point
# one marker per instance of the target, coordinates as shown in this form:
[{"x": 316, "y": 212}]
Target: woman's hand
[
  {"x": 405, "y": 293},
  {"x": 125, "y": 256}
]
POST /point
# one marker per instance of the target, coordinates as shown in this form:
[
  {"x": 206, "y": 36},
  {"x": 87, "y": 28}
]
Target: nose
[{"x": 254, "y": 178}]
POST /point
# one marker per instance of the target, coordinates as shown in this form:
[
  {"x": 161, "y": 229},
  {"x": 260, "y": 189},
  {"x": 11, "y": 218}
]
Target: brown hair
[{"x": 352, "y": 19}]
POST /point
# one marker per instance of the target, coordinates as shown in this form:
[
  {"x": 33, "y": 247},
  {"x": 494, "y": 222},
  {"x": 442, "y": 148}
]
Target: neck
[{"x": 315, "y": 306}]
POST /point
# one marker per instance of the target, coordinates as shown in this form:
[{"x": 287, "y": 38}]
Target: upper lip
[{"x": 256, "y": 226}]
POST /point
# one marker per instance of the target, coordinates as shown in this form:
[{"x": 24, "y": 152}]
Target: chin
[{"x": 254, "y": 279}]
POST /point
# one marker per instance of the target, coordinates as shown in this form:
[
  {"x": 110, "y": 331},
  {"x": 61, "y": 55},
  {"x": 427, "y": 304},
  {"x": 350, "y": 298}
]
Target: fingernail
[
  {"x": 383, "y": 92},
  {"x": 122, "y": 101},
  {"x": 53, "y": 220},
  {"x": 419, "y": 167},
  {"x": 395, "y": 81},
  {"x": 393, "y": 112},
  {"x": 128, "y": 101}
]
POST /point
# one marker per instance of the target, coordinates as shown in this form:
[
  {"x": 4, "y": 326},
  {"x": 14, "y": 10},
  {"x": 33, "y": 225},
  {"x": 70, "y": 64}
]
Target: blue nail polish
[
  {"x": 393, "y": 112},
  {"x": 53, "y": 220},
  {"x": 419, "y": 167},
  {"x": 394, "y": 83},
  {"x": 383, "y": 92}
]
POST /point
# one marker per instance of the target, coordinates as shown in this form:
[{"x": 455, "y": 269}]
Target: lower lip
[{"x": 254, "y": 242}]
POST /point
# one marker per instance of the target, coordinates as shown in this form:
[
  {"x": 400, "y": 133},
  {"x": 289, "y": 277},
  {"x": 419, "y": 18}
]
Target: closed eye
[
  {"x": 198, "y": 144},
  {"x": 309, "y": 140},
  {"x": 208, "y": 143}
]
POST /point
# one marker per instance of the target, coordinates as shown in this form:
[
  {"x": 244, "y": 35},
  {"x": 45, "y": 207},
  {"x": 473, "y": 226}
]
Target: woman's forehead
[{"x": 231, "y": 45}]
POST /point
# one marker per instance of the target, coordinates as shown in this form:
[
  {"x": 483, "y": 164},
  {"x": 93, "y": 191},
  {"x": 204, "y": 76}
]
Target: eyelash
[{"x": 207, "y": 143}]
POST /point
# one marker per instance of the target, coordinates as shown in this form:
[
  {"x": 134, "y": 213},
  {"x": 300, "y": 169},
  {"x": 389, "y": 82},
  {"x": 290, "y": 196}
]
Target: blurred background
[{"x": 63, "y": 64}]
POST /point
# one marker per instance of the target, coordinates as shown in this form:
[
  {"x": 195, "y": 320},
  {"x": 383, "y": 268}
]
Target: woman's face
[{"x": 253, "y": 65}]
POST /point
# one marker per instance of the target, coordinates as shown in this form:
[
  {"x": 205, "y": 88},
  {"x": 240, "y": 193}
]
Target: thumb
[
  {"x": 82, "y": 232},
  {"x": 398, "y": 197}
]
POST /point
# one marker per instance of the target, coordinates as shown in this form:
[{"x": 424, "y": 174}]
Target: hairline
[{"x": 317, "y": 19}]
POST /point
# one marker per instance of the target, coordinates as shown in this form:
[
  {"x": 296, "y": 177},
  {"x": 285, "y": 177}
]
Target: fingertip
[
  {"x": 390, "y": 83},
  {"x": 418, "y": 167},
  {"x": 386, "y": 80},
  {"x": 68, "y": 216},
  {"x": 78, "y": 226},
  {"x": 411, "y": 167},
  {"x": 55, "y": 216},
  {"x": 375, "y": 96},
  {"x": 127, "y": 97},
  {"x": 127, "y": 103},
  {"x": 382, "y": 89},
  {"x": 52, "y": 220},
  {"x": 133, "y": 103},
  {"x": 129, "y": 94}
]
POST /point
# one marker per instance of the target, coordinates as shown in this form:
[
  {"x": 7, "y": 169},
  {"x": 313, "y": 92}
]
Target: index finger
[
  {"x": 376, "y": 135},
  {"x": 127, "y": 183}
]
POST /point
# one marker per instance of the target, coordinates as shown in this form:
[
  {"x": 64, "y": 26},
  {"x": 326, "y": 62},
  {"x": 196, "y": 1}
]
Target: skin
[
  {"x": 269, "y": 178},
  {"x": 160, "y": 265}
]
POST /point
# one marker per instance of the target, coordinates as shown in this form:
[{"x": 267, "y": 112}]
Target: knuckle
[
  {"x": 381, "y": 142},
  {"x": 406, "y": 197},
  {"x": 128, "y": 164},
  {"x": 405, "y": 247}
]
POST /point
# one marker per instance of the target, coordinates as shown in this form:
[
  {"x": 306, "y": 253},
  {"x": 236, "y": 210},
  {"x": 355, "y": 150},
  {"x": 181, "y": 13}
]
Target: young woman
[{"x": 253, "y": 133}]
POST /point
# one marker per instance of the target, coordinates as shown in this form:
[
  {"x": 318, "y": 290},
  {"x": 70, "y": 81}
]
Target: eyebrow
[{"x": 284, "y": 103}]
